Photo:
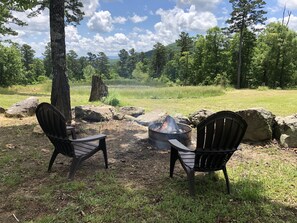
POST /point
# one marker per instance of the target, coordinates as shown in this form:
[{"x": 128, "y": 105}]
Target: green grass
[
  {"x": 185, "y": 100},
  {"x": 263, "y": 185},
  {"x": 254, "y": 199}
]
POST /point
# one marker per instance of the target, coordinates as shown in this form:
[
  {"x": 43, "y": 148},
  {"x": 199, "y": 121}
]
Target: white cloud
[
  {"x": 201, "y": 5},
  {"x": 38, "y": 23},
  {"x": 290, "y": 4},
  {"x": 292, "y": 22},
  {"x": 137, "y": 18},
  {"x": 177, "y": 20},
  {"x": 172, "y": 23},
  {"x": 119, "y": 20},
  {"x": 101, "y": 22},
  {"x": 90, "y": 7},
  {"x": 71, "y": 34}
]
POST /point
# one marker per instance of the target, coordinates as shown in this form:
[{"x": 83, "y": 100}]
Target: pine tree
[{"x": 245, "y": 14}]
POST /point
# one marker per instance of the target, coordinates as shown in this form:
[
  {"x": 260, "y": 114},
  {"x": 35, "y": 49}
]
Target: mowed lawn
[
  {"x": 137, "y": 186},
  {"x": 184, "y": 100}
]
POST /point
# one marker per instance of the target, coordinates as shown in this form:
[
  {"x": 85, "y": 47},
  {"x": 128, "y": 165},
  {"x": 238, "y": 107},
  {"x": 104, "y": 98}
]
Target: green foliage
[
  {"x": 139, "y": 73},
  {"x": 47, "y": 61},
  {"x": 185, "y": 42},
  {"x": 158, "y": 60},
  {"x": 7, "y": 17},
  {"x": 275, "y": 56},
  {"x": 246, "y": 14},
  {"x": 88, "y": 72},
  {"x": 222, "y": 80},
  {"x": 74, "y": 70},
  {"x": 27, "y": 56},
  {"x": 11, "y": 68},
  {"x": 123, "y": 64},
  {"x": 42, "y": 79},
  {"x": 112, "y": 99}
]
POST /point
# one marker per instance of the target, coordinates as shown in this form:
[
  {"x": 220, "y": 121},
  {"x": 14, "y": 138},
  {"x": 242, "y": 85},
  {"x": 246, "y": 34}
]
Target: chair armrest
[
  {"x": 69, "y": 127},
  {"x": 89, "y": 138},
  {"x": 72, "y": 130},
  {"x": 179, "y": 146}
]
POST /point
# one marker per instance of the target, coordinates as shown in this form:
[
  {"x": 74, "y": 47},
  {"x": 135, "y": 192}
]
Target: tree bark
[
  {"x": 60, "y": 95},
  {"x": 239, "y": 59},
  {"x": 98, "y": 90}
]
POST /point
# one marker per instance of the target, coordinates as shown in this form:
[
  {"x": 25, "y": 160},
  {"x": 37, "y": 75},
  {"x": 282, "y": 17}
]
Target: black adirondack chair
[
  {"x": 54, "y": 126},
  {"x": 218, "y": 137}
]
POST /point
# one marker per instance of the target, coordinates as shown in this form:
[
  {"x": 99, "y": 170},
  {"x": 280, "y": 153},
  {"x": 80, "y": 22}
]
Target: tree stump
[{"x": 98, "y": 90}]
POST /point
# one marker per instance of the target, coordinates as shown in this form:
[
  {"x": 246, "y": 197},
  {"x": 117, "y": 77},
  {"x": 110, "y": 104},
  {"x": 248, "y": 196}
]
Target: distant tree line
[
  {"x": 241, "y": 55},
  {"x": 268, "y": 58}
]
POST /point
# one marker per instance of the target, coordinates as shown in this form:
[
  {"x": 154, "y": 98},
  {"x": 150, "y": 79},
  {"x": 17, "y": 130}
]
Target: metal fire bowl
[{"x": 160, "y": 139}]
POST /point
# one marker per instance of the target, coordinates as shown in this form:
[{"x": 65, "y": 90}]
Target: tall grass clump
[
  {"x": 133, "y": 82},
  {"x": 112, "y": 99},
  {"x": 177, "y": 92}
]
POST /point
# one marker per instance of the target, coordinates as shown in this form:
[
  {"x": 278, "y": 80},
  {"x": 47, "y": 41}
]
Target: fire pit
[{"x": 159, "y": 133}]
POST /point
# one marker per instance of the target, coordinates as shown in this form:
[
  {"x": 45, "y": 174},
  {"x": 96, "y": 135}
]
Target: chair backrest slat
[
  {"x": 218, "y": 136},
  {"x": 53, "y": 124}
]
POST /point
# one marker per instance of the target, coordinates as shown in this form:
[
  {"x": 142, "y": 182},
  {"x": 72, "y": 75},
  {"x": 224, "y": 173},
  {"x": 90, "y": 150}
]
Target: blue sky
[{"x": 111, "y": 25}]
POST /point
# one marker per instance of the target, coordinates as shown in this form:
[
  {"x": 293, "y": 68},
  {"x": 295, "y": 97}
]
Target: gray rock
[
  {"x": 179, "y": 118},
  {"x": 130, "y": 118},
  {"x": 198, "y": 116},
  {"x": 118, "y": 116},
  {"x": 132, "y": 111},
  {"x": 260, "y": 124},
  {"x": 23, "y": 109},
  {"x": 285, "y": 130},
  {"x": 150, "y": 117},
  {"x": 94, "y": 113}
]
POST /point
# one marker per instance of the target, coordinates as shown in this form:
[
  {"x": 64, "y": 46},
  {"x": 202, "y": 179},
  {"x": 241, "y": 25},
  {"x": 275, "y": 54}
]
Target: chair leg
[
  {"x": 173, "y": 158},
  {"x": 74, "y": 166},
  {"x": 191, "y": 178},
  {"x": 227, "y": 180},
  {"x": 54, "y": 155},
  {"x": 103, "y": 146}
]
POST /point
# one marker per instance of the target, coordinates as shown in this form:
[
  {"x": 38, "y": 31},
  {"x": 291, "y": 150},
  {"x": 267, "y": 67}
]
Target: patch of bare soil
[{"x": 134, "y": 161}]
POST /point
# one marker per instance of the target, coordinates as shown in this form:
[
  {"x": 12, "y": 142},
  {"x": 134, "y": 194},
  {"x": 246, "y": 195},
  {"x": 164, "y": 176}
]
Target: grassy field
[
  {"x": 184, "y": 100},
  {"x": 137, "y": 186}
]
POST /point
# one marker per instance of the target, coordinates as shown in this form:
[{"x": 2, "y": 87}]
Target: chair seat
[
  {"x": 84, "y": 148},
  {"x": 188, "y": 158}
]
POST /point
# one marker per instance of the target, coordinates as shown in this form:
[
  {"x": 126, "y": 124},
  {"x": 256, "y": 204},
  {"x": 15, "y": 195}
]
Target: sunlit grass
[{"x": 184, "y": 100}]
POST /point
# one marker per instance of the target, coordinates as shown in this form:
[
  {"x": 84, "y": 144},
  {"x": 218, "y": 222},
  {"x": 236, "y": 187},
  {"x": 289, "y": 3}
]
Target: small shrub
[
  {"x": 112, "y": 100},
  {"x": 42, "y": 79},
  {"x": 222, "y": 80}
]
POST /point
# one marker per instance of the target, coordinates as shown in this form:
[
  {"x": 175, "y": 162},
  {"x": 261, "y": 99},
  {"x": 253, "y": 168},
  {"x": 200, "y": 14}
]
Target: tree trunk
[
  {"x": 60, "y": 95},
  {"x": 98, "y": 90},
  {"x": 239, "y": 59}
]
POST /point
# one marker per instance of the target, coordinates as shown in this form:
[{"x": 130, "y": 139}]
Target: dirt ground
[{"x": 136, "y": 162}]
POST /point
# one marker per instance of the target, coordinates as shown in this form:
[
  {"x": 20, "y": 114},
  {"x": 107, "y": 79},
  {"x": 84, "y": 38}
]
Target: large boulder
[
  {"x": 132, "y": 111},
  {"x": 286, "y": 130},
  {"x": 94, "y": 113},
  {"x": 260, "y": 124},
  {"x": 23, "y": 109},
  {"x": 150, "y": 117},
  {"x": 198, "y": 116}
]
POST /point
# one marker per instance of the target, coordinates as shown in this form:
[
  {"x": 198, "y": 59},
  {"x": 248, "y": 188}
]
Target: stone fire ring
[{"x": 160, "y": 139}]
